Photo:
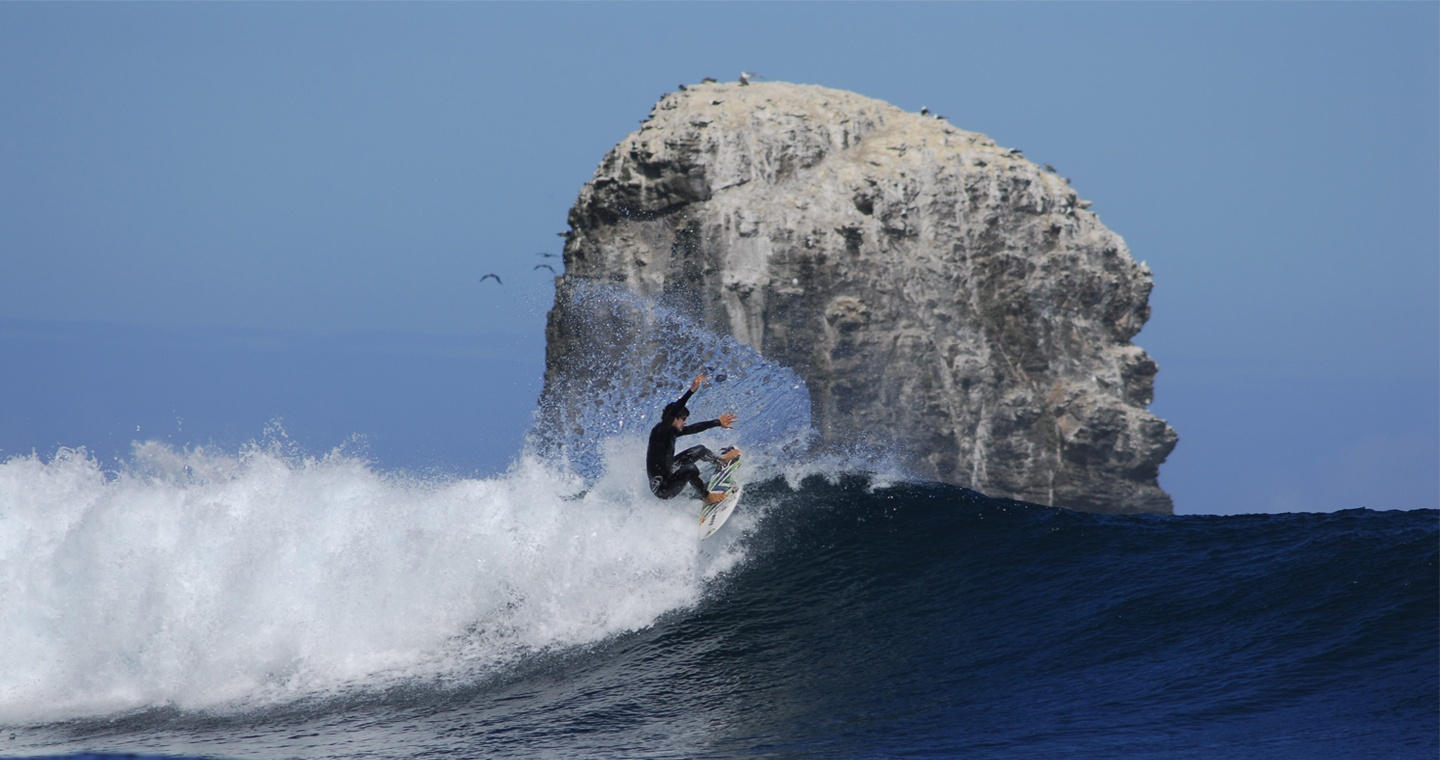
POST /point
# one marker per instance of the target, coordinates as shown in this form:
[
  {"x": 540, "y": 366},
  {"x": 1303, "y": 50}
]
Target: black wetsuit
[{"x": 670, "y": 472}]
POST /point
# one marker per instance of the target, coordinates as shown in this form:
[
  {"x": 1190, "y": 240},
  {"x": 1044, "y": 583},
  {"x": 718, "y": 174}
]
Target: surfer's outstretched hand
[
  {"x": 726, "y": 420},
  {"x": 695, "y": 384}
]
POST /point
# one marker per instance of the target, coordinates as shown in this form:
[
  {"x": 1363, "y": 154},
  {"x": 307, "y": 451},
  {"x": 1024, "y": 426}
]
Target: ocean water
[
  {"x": 266, "y": 601},
  {"x": 263, "y": 606}
]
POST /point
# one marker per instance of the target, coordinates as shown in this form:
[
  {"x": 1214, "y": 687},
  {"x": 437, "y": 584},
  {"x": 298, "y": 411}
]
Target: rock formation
[{"x": 935, "y": 290}]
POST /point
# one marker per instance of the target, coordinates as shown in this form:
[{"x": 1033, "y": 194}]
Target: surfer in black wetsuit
[{"x": 670, "y": 472}]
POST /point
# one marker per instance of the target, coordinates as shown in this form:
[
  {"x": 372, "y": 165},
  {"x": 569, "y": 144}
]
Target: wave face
[{"x": 260, "y": 606}]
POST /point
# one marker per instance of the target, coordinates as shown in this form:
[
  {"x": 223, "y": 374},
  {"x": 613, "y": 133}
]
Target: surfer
[{"x": 668, "y": 471}]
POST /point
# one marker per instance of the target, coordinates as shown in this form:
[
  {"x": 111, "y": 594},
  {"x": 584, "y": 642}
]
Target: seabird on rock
[
  {"x": 746, "y": 76},
  {"x": 492, "y": 274},
  {"x": 924, "y": 111},
  {"x": 1050, "y": 169},
  {"x": 708, "y": 80}
]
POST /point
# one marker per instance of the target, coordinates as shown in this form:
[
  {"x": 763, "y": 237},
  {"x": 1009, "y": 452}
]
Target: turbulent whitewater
[{"x": 207, "y": 581}]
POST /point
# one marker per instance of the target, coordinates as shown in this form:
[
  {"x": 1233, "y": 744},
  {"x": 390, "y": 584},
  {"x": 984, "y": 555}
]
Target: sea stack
[{"x": 937, "y": 292}]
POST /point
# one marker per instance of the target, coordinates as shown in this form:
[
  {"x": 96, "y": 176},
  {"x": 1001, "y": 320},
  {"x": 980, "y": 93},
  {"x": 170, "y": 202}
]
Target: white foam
[{"x": 212, "y": 580}]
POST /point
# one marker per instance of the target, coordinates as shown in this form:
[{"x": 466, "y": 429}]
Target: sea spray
[{"x": 637, "y": 355}]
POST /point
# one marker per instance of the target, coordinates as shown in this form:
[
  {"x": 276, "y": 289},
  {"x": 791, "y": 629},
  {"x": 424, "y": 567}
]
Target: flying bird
[
  {"x": 492, "y": 274},
  {"x": 546, "y": 254},
  {"x": 546, "y": 266}
]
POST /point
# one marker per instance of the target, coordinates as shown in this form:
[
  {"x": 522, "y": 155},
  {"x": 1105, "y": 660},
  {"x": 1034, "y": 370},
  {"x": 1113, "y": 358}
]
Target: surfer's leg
[
  {"x": 685, "y": 467},
  {"x": 669, "y": 486},
  {"x": 693, "y": 454},
  {"x": 697, "y": 481}
]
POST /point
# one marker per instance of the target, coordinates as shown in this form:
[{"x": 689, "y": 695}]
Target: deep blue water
[{"x": 920, "y": 620}]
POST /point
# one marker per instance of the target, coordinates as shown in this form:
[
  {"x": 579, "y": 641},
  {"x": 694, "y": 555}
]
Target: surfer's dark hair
[{"x": 674, "y": 410}]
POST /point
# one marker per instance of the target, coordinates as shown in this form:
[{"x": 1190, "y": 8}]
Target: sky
[{"x": 218, "y": 216}]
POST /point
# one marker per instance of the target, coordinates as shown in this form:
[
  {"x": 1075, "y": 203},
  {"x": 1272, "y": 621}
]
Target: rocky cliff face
[{"x": 935, "y": 290}]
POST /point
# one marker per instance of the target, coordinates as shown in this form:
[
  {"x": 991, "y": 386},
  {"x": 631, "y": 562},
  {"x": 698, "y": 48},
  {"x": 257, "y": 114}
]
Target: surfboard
[{"x": 712, "y": 516}]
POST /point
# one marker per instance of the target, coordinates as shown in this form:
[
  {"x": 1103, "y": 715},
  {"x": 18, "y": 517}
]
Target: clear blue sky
[{"x": 329, "y": 169}]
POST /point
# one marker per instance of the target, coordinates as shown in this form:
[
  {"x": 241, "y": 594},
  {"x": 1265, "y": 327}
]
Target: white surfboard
[{"x": 712, "y": 516}]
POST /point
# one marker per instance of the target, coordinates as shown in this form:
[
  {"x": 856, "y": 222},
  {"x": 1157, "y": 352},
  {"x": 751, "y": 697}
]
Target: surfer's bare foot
[
  {"x": 729, "y": 455},
  {"x": 713, "y": 497}
]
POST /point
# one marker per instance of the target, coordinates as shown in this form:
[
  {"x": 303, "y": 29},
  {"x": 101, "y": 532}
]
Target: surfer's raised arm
[{"x": 684, "y": 397}]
